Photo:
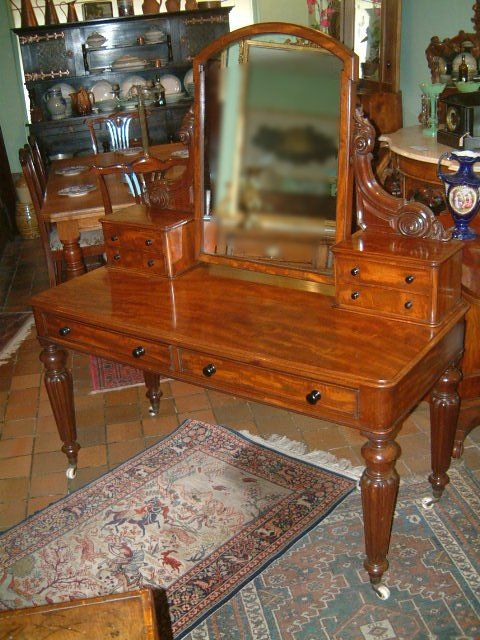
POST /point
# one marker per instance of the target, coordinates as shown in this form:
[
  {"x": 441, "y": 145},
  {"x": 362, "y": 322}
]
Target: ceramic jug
[
  {"x": 151, "y": 6},
  {"x": 82, "y": 101},
  {"x": 56, "y": 104},
  {"x": 462, "y": 191},
  {"x": 172, "y": 5},
  {"x": 51, "y": 16}
]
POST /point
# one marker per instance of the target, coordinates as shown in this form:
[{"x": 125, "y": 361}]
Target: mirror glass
[
  {"x": 271, "y": 152},
  {"x": 367, "y": 37}
]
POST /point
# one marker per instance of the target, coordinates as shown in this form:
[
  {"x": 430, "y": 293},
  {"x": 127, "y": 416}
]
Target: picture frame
[{"x": 97, "y": 10}]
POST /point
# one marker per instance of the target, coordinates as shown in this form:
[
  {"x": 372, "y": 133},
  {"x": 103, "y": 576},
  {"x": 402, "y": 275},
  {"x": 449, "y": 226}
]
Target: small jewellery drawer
[
  {"x": 144, "y": 262},
  {"x": 382, "y": 300},
  {"x": 145, "y": 240},
  {"x": 370, "y": 272},
  {"x": 136, "y": 350},
  {"x": 270, "y": 386}
]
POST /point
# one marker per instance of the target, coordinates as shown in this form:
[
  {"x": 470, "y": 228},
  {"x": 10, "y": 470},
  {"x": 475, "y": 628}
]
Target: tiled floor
[{"x": 115, "y": 425}]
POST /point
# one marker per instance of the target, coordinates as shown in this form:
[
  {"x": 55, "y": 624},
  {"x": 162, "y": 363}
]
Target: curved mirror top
[{"x": 271, "y": 152}]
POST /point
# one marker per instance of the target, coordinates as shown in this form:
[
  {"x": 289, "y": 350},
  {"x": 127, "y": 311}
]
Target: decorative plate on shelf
[
  {"x": 172, "y": 98},
  {"x": 102, "y": 90},
  {"x": 128, "y": 83},
  {"x": 188, "y": 79},
  {"x": 171, "y": 83},
  {"x": 128, "y": 62},
  {"x": 75, "y": 192},
  {"x": 74, "y": 170}
]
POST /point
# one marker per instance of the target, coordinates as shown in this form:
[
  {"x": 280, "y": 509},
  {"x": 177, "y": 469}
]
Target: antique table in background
[
  {"x": 72, "y": 215},
  {"x": 415, "y": 158}
]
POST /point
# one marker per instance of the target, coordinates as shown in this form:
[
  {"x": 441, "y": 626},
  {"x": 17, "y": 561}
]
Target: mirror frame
[{"x": 294, "y": 34}]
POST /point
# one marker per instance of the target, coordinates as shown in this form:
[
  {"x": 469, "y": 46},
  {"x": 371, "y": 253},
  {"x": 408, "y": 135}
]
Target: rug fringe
[
  {"x": 12, "y": 345},
  {"x": 300, "y": 451}
]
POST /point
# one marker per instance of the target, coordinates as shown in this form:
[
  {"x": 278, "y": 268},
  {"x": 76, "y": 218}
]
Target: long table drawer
[
  {"x": 119, "y": 346},
  {"x": 269, "y": 386}
]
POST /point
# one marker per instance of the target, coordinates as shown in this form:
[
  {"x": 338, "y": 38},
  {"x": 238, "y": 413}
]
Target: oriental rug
[
  {"x": 201, "y": 513},
  {"x": 109, "y": 376},
  {"x": 318, "y": 590},
  {"x": 14, "y": 328}
]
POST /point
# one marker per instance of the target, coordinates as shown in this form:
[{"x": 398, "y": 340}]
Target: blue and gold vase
[{"x": 463, "y": 191}]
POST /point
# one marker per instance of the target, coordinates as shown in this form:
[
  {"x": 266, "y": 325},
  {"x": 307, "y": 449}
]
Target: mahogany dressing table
[{"x": 260, "y": 327}]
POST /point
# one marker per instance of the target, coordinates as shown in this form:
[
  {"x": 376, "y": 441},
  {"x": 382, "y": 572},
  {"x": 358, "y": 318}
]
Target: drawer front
[
  {"x": 397, "y": 303},
  {"x": 136, "y": 351},
  {"x": 269, "y": 386},
  {"x": 128, "y": 238},
  {"x": 145, "y": 262},
  {"x": 367, "y": 272}
]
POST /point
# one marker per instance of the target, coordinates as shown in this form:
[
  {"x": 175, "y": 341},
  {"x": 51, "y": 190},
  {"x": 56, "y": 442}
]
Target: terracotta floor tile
[
  {"x": 25, "y": 367},
  {"x": 45, "y": 442},
  {"x": 50, "y": 462},
  {"x": 418, "y": 465},
  {"x": 474, "y": 435},
  {"x": 471, "y": 457},
  {"x": 218, "y": 399},
  {"x": 288, "y": 428},
  {"x": 93, "y": 402},
  {"x": 159, "y": 425},
  {"x": 206, "y": 415},
  {"x": 410, "y": 426},
  {"x": 120, "y": 451},
  {"x": 95, "y": 456},
  {"x": 49, "y": 484},
  {"x": 233, "y": 413},
  {"x": 19, "y": 428},
  {"x": 306, "y": 423},
  {"x": 44, "y": 408},
  {"x": 46, "y": 424},
  {"x": 17, "y": 411},
  {"x": 414, "y": 445},
  {"x": 37, "y": 504},
  {"x": 20, "y": 397},
  {"x": 194, "y": 402},
  {"x": 84, "y": 476},
  {"x": 90, "y": 437},
  {"x": 17, "y": 467},
  {"x": 184, "y": 388},
  {"x": 167, "y": 407},
  {"x": 12, "y": 489},
  {"x": 122, "y": 413},
  {"x": 11, "y": 513},
  {"x": 251, "y": 427},
  {"x": 124, "y": 431},
  {"x": 123, "y": 396},
  {"x": 325, "y": 439},
  {"x": 90, "y": 418},
  {"x": 16, "y": 447},
  {"x": 26, "y": 381},
  {"x": 350, "y": 454}
]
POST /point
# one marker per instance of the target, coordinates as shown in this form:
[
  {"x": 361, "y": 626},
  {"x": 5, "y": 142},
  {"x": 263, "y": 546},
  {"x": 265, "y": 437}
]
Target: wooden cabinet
[{"x": 58, "y": 55}]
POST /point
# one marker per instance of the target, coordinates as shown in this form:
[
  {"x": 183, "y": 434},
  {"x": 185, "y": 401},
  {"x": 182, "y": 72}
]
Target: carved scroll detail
[{"x": 377, "y": 209}]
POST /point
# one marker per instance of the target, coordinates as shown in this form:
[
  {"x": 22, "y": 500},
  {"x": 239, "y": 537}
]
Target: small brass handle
[
  {"x": 114, "y": 238},
  {"x": 355, "y": 271},
  {"x": 116, "y": 256},
  {"x": 209, "y": 370},
  {"x": 138, "y": 352},
  {"x": 355, "y": 294},
  {"x": 148, "y": 242},
  {"x": 409, "y": 279},
  {"x": 64, "y": 331},
  {"x": 408, "y": 304},
  {"x": 313, "y": 397},
  {"x": 150, "y": 263}
]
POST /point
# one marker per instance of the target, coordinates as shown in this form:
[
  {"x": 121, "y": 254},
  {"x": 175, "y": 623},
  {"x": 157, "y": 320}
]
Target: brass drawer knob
[
  {"x": 150, "y": 263},
  {"x": 354, "y": 295},
  {"x": 114, "y": 238},
  {"x": 138, "y": 352},
  {"x": 64, "y": 331},
  {"x": 408, "y": 304},
  {"x": 149, "y": 242},
  {"x": 355, "y": 271},
  {"x": 313, "y": 397},
  {"x": 209, "y": 370},
  {"x": 116, "y": 257},
  {"x": 409, "y": 279}
]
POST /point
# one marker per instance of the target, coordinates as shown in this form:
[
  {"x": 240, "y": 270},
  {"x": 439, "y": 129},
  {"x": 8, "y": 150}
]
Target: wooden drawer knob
[
  {"x": 354, "y": 295},
  {"x": 209, "y": 370},
  {"x": 408, "y": 304},
  {"x": 149, "y": 242},
  {"x": 313, "y": 397},
  {"x": 114, "y": 238},
  {"x": 64, "y": 331},
  {"x": 116, "y": 257},
  {"x": 138, "y": 352},
  {"x": 409, "y": 279},
  {"x": 355, "y": 271},
  {"x": 150, "y": 263}
]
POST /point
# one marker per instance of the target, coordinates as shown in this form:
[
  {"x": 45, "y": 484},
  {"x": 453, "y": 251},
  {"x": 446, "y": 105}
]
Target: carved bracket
[{"x": 378, "y": 210}]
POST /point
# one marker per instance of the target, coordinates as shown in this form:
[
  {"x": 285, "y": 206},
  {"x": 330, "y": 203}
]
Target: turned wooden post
[
  {"x": 152, "y": 382},
  {"x": 379, "y": 485},
  {"x": 75, "y": 266},
  {"x": 59, "y": 385},
  {"x": 444, "y": 409}
]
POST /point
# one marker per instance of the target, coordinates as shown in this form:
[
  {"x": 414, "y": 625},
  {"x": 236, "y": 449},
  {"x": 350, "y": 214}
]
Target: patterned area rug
[
  {"x": 109, "y": 376},
  {"x": 201, "y": 513},
  {"x": 14, "y": 328},
  {"x": 317, "y": 590}
]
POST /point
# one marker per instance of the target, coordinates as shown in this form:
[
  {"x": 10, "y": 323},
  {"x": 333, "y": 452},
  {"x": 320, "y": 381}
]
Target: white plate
[
  {"x": 129, "y": 82},
  {"x": 188, "y": 79},
  {"x": 75, "y": 192},
  {"x": 171, "y": 83},
  {"x": 132, "y": 151},
  {"x": 102, "y": 90},
  {"x": 180, "y": 153},
  {"x": 71, "y": 171}
]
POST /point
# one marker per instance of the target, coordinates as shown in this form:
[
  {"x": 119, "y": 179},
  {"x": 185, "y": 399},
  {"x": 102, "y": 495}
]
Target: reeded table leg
[
  {"x": 59, "y": 384},
  {"x": 444, "y": 408},
  {"x": 379, "y": 485},
  {"x": 152, "y": 382}
]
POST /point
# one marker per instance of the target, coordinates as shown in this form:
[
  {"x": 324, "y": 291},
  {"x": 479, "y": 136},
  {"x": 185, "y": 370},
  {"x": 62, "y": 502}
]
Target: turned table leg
[
  {"x": 444, "y": 408},
  {"x": 69, "y": 235},
  {"x": 59, "y": 384},
  {"x": 152, "y": 382},
  {"x": 379, "y": 486}
]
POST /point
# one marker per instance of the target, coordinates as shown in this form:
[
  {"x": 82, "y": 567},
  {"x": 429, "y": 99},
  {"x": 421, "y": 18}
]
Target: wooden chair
[
  {"x": 91, "y": 242},
  {"x": 38, "y": 162},
  {"x": 117, "y": 127},
  {"x": 156, "y": 182}
]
